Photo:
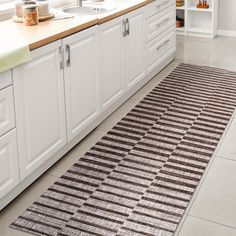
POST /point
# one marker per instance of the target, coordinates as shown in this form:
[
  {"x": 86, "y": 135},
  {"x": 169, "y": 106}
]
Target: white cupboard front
[
  {"x": 81, "y": 81},
  {"x": 111, "y": 56},
  {"x": 9, "y": 169},
  {"x": 7, "y": 116},
  {"x": 40, "y": 108},
  {"x": 135, "y": 47}
]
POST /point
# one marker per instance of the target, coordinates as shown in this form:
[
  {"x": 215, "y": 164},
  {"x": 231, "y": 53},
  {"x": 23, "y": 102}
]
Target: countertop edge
[{"x": 63, "y": 34}]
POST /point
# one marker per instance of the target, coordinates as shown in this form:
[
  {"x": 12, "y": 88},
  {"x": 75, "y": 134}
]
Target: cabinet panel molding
[{"x": 40, "y": 108}]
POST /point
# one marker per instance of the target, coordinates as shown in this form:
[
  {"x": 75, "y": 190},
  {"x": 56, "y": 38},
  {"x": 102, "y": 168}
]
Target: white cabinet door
[
  {"x": 111, "y": 58},
  {"x": 7, "y": 116},
  {"x": 135, "y": 47},
  {"x": 81, "y": 85},
  {"x": 40, "y": 108},
  {"x": 9, "y": 169}
]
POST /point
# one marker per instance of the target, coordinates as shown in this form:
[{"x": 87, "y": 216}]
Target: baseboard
[{"x": 226, "y": 33}]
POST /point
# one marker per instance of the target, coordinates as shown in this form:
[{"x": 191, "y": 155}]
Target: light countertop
[{"x": 46, "y": 32}]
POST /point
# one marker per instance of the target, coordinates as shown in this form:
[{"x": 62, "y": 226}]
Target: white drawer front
[
  {"x": 160, "y": 22},
  {"x": 7, "y": 116},
  {"x": 157, "y": 6},
  {"x": 5, "y": 79},
  {"x": 9, "y": 169},
  {"x": 158, "y": 48}
]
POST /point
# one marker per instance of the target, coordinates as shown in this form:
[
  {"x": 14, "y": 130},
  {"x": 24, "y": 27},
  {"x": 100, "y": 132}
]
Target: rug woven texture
[{"x": 139, "y": 178}]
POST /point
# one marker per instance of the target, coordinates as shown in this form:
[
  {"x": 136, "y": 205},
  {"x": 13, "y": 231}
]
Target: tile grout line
[
  {"x": 204, "y": 62},
  {"x": 218, "y": 223},
  {"x": 225, "y": 158}
]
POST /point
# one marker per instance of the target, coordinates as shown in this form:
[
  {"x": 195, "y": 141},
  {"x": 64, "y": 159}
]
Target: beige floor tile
[
  {"x": 196, "y": 51},
  {"x": 197, "y": 227},
  {"x": 23, "y": 201},
  {"x": 216, "y": 199},
  {"x": 224, "y": 56},
  {"x": 73, "y": 156},
  {"x": 201, "y": 42},
  {"x": 116, "y": 116},
  {"x": 227, "y": 148}
]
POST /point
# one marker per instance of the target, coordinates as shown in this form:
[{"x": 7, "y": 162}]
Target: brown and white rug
[{"x": 139, "y": 178}]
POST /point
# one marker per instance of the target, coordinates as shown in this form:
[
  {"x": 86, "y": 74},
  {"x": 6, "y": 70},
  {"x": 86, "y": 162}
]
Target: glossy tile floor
[{"x": 212, "y": 211}]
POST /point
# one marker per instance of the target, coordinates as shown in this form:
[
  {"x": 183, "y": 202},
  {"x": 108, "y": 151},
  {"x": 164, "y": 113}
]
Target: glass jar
[
  {"x": 30, "y": 15},
  {"x": 43, "y": 7},
  {"x": 18, "y": 7}
]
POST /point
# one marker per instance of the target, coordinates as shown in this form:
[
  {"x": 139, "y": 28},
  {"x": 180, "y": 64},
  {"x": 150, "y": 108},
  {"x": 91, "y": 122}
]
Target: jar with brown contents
[{"x": 30, "y": 15}]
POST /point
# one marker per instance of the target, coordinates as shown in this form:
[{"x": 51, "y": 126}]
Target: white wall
[{"x": 227, "y": 15}]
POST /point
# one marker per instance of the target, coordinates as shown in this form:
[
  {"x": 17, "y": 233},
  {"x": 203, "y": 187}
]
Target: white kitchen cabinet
[
  {"x": 73, "y": 84},
  {"x": 9, "y": 169},
  {"x": 135, "y": 47},
  {"x": 40, "y": 108},
  {"x": 7, "y": 117},
  {"x": 122, "y": 55},
  {"x": 111, "y": 56},
  {"x": 5, "y": 79},
  {"x": 81, "y": 80}
]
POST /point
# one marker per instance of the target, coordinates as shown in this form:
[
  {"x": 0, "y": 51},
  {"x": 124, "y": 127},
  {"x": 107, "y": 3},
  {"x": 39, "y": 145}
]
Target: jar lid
[
  {"x": 32, "y": 6},
  {"x": 29, "y": 2}
]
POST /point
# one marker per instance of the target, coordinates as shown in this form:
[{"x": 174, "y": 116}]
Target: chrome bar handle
[
  {"x": 167, "y": 41},
  {"x": 124, "y": 28},
  {"x": 127, "y": 26},
  {"x": 162, "y": 4},
  {"x": 61, "y": 51},
  {"x": 161, "y": 23},
  {"x": 68, "y": 62}
]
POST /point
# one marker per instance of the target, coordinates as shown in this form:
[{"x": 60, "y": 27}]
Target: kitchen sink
[{"x": 88, "y": 10}]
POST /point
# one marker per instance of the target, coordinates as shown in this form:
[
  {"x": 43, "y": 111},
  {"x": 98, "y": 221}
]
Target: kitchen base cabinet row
[{"x": 69, "y": 87}]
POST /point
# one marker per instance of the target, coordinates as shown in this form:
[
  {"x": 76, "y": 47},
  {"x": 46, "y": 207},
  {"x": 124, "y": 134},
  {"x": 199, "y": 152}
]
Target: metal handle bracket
[{"x": 68, "y": 61}]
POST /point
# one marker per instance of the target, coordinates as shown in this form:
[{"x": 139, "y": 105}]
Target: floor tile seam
[
  {"x": 225, "y": 158},
  {"x": 211, "y": 53},
  {"x": 212, "y": 221}
]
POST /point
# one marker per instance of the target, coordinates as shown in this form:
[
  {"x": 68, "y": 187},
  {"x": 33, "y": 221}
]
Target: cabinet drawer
[
  {"x": 7, "y": 116},
  {"x": 5, "y": 79},
  {"x": 158, "y": 6},
  {"x": 9, "y": 170},
  {"x": 160, "y": 22},
  {"x": 159, "y": 47}
]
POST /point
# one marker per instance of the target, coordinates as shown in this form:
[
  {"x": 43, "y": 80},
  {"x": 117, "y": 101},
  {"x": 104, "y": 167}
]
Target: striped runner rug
[{"x": 139, "y": 178}]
